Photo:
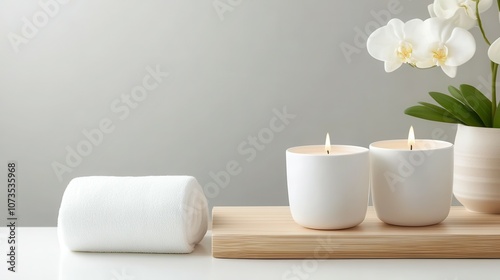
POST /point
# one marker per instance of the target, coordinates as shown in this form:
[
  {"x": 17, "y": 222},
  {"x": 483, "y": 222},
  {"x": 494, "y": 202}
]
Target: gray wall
[{"x": 231, "y": 74}]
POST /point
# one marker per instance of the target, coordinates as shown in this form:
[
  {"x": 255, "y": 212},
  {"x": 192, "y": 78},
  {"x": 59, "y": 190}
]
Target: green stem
[
  {"x": 480, "y": 23},
  {"x": 494, "y": 68}
]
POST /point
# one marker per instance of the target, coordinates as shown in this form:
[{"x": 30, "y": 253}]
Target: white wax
[
  {"x": 402, "y": 144},
  {"x": 335, "y": 150},
  {"x": 328, "y": 191},
  {"x": 411, "y": 187}
]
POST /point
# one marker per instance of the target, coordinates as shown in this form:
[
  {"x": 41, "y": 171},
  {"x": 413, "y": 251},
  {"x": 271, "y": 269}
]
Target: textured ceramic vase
[{"x": 476, "y": 182}]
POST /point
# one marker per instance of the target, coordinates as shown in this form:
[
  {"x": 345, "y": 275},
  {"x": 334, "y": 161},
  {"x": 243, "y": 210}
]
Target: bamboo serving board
[{"x": 270, "y": 232}]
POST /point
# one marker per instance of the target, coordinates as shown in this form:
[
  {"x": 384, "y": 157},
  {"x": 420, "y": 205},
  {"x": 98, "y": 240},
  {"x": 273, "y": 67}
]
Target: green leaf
[
  {"x": 456, "y": 108},
  {"x": 441, "y": 111},
  {"x": 427, "y": 113},
  {"x": 455, "y": 92},
  {"x": 496, "y": 120},
  {"x": 478, "y": 102},
  {"x": 436, "y": 108}
]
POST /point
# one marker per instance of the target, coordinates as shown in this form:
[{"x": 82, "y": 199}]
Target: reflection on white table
[{"x": 40, "y": 256}]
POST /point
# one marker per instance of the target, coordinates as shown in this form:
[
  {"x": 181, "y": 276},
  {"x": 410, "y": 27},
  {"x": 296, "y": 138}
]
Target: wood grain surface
[{"x": 271, "y": 233}]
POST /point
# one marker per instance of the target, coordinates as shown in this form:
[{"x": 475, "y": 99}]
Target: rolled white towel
[{"x": 153, "y": 214}]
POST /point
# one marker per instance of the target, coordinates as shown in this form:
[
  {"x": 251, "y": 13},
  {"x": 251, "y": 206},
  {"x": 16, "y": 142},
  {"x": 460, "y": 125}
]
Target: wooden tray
[{"x": 270, "y": 232}]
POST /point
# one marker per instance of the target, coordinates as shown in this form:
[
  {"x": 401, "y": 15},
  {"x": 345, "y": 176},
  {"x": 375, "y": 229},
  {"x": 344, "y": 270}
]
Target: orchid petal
[
  {"x": 494, "y": 51},
  {"x": 397, "y": 27},
  {"x": 428, "y": 63},
  {"x": 484, "y": 5},
  {"x": 430, "y": 8},
  {"x": 451, "y": 71},
  {"x": 390, "y": 66},
  {"x": 445, "y": 9},
  {"x": 382, "y": 43},
  {"x": 460, "y": 12},
  {"x": 461, "y": 47},
  {"x": 412, "y": 26},
  {"x": 461, "y": 19}
]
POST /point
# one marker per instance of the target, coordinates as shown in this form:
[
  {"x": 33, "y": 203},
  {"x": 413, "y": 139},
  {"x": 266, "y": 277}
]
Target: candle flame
[
  {"x": 328, "y": 147},
  {"x": 411, "y": 138}
]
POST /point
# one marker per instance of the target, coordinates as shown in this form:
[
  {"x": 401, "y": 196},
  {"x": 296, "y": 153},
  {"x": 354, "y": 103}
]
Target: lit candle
[
  {"x": 328, "y": 185},
  {"x": 411, "y": 180},
  {"x": 411, "y": 138},
  {"x": 328, "y": 146}
]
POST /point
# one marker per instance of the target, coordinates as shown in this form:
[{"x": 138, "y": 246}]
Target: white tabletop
[{"x": 41, "y": 257}]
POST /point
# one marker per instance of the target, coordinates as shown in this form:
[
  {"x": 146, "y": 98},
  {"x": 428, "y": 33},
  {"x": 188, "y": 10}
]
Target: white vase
[{"x": 476, "y": 182}]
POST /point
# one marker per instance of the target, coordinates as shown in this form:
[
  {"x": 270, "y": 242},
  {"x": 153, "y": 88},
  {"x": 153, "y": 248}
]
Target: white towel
[{"x": 154, "y": 214}]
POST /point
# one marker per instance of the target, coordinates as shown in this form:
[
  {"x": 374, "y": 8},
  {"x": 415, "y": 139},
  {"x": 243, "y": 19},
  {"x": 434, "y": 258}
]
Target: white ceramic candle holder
[
  {"x": 328, "y": 191},
  {"x": 411, "y": 187}
]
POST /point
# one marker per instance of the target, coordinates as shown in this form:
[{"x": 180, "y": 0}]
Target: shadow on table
[{"x": 132, "y": 266}]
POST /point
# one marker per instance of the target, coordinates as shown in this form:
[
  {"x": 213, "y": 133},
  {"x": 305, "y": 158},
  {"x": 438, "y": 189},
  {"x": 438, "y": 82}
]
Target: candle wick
[
  {"x": 411, "y": 147},
  {"x": 328, "y": 152}
]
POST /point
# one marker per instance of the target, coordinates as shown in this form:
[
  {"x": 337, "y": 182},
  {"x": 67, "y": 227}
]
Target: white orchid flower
[
  {"x": 431, "y": 10},
  {"x": 461, "y": 12},
  {"x": 494, "y": 51},
  {"x": 444, "y": 45},
  {"x": 394, "y": 43}
]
